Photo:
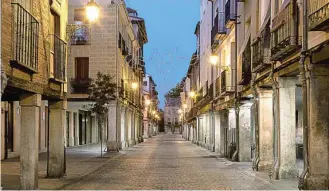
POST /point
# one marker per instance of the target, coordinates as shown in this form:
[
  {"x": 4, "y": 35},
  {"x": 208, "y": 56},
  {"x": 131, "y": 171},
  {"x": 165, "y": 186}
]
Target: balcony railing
[
  {"x": 80, "y": 85},
  {"x": 318, "y": 15},
  {"x": 59, "y": 59},
  {"x": 79, "y": 34},
  {"x": 226, "y": 83},
  {"x": 230, "y": 13},
  {"x": 246, "y": 66},
  {"x": 261, "y": 55},
  {"x": 218, "y": 31},
  {"x": 25, "y": 39},
  {"x": 284, "y": 34},
  {"x": 211, "y": 91},
  {"x": 218, "y": 80}
]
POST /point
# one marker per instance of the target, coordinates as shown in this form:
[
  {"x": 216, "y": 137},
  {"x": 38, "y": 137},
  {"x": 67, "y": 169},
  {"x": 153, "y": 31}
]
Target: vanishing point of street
[{"x": 167, "y": 161}]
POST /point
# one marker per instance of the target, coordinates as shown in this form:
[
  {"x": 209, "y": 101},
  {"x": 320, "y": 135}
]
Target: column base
[
  {"x": 285, "y": 173},
  {"x": 131, "y": 143},
  {"x": 71, "y": 141},
  {"x": 124, "y": 144},
  {"x": 317, "y": 182},
  {"x": 265, "y": 165},
  {"x": 113, "y": 146}
]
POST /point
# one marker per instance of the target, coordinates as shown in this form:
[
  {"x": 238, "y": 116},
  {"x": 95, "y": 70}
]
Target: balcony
[
  {"x": 230, "y": 13},
  {"x": 211, "y": 91},
  {"x": 25, "y": 40},
  {"x": 58, "y": 60},
  {"x": 318, "y": 15},
  {"x": 79, "y": 34},
  {"x": 284, "y": 34},
  {"x": 246, "y": 66},
  {"x": 218, "y": 31},
  {"x": 261, "y": 50},
  {"x": 217, "y": 87},
  {"x": 226, "y": 82},
  {"x": 80, "y": 86}
]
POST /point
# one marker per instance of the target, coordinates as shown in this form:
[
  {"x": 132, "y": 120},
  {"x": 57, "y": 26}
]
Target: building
[
  {"x": 33, "y": 100},
  {"x": 151, "y": 108},
  {"x": 112, "y": 45},
  {"x": 171, "y": 115},
  {"x": 262, "y": 102}
]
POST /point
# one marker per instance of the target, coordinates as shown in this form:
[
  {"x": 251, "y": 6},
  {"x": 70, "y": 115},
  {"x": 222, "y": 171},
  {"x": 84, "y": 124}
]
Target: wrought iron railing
[
  {"x": 218, "y": 81},
  {"x": 211, "y": 91},
  {"x": 225, "y": 83},
  {"x": 246, "y": 65},
  {"x": 229, "y": 13},
  {"x": 318, "y": 14},
  {"x": 80, "y": 85},
  {"x": 261, "y": 55},
  {"x": 284, "y": 34},
  {"x": 59, "y": 69},
  {"x": 25, "y": 39},
  {"x": 79, "y": 34}
]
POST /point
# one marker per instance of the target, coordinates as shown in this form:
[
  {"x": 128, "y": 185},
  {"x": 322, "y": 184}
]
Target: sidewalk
[{"x": 80, "y": 161}]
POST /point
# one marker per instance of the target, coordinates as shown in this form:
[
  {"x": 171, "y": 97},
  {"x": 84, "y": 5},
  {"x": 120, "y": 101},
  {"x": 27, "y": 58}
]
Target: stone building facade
[
  {"x": 264, "y": 103},
  {"x": 112, "y": 45},
  {"x": 33, "y": 103},
  {"x": 151, "y": 108},
  {"x": 171, "y": 115}
]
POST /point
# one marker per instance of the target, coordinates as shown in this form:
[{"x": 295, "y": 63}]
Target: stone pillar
[
  {"x": 224, "y": 133},
  {"x": 146, "y": 129},
  {"x": 265, "y": 129},
  {"x": 57, "y": 120},
  {"x": 124, "y": 128},
  {"x": 218, "y": 133},
  {"x": 318, "y": 140},
  {"x": 114, "y": 128},
  {"x": 287, "y": 125},
  {"x": 137, "y": 127},
  {"x": 71, "y": 136},
  {"x": 132, "y": 129},
  {"x": 76, "y": 138},
  {"x": 129, "y": 127},
  {"x": 245, "y": 133},
  {"x": 29, "y": 143}
]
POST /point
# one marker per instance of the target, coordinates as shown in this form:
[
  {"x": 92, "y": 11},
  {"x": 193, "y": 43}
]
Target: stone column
[
  {"x": 245, "y": 133},
  {"x": 146, "y": 129},
  {"x": 76, "y": 138},
  {"x": 223, "y": 129},
  {"x": 57, "y": 120},
  {"x": 137, "y": 127},
  {"x": 114, "y": 128},
  {"x": 318, "y": 140},
  {"x": 287, "y": 125},
  {"x": 29, "y": 153},
  {"x": 71, "y": 122},
  {"x": 124, "y": 128},
  {"x": 218, "y": 133},
  {"x": 265, "y": 129},
  {"x": 129, "y": 127}
]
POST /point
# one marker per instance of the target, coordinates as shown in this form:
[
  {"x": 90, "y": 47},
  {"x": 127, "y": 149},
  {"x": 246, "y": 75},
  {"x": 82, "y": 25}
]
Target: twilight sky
[{"x": 170, "y": 27}]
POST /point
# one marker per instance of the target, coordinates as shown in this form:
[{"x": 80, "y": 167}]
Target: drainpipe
[
  {"x": 255, "y": 92},
  {"x": 302, "y": 184},
  {"x": 236, "y": 95},
  {"x": 276, "y": 125}
]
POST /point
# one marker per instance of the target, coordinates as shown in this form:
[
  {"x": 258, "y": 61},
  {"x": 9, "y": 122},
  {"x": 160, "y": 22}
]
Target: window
[
  {"x": 54, "y": 31},
  {"x": 82, "y": 68},
  {"x": 145, "y": 83},
  {"x": 79, "y": 15}
]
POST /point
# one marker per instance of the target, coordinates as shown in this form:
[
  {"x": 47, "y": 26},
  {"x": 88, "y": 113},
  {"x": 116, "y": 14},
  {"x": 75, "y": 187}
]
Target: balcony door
[
  {"x": 54, "y": 31},
  {"x": 82, "y": 68}
]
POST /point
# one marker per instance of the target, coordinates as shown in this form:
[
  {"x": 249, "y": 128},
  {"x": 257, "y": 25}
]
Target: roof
[
  {"x": 141, "y": 26},
  {"x": 130, "y": 10},
  {"x": 197, "y": 28}
]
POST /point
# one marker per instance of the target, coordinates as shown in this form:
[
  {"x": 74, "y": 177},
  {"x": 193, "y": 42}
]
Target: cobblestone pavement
[
  {"x": 80, "y": 161},
  {"x": 169, "y": 162}
]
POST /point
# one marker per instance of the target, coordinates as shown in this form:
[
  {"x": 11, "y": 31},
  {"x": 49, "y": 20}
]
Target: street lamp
[
  {"x": 214, "y": 59},
  {"x": 147, "y": 102},
  {"x": 92, "y": 11},
  {"x": 192, "y": 94},
  {"x": 134, "y": 85}
]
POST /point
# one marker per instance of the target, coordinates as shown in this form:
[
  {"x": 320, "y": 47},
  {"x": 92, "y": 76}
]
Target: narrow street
[{"x": 167, "y": 161}]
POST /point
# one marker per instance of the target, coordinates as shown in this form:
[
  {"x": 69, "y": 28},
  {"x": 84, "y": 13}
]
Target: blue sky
[{"x": 170, "y": 27}]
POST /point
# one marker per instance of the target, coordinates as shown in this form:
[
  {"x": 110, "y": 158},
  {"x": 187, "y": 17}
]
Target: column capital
[
  {"x": 62, "y": 104},
  {"x": 288, "y": 82},
  {"x": 30, "y": 100}
]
